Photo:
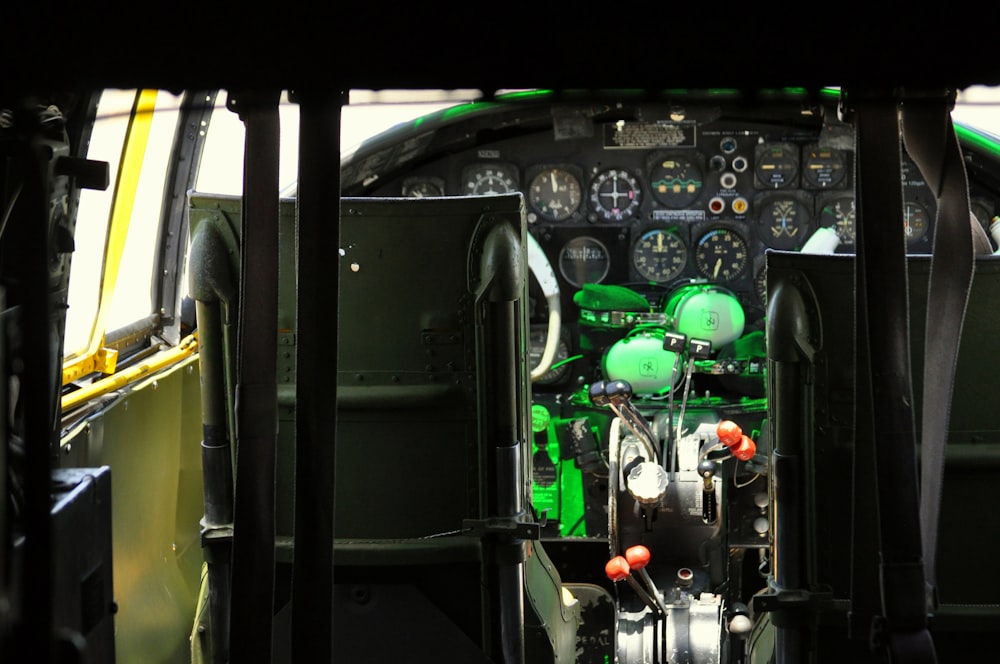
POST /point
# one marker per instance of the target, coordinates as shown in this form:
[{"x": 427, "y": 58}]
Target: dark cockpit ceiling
[{"x": 321, "y": 47}]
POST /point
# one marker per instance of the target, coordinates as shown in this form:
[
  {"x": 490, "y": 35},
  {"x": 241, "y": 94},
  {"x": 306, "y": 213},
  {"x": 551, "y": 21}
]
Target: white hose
[{"x": 542, "y": 269}]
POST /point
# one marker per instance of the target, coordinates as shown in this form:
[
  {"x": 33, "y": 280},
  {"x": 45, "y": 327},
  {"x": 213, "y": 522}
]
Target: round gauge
[
  {"x": 675, "y": 181},
  {"x": 777, "y": 165},
  {"x": 983, "y": 210},
  {"x": 823, "y": 167},
  {"x": 539, "y": 334},
  {"x": 659, "y": 255},
  {"x": 783, "y": 223},
  {"x": 615, "y": 195},
  {"x": 721, "y": 255},
  {"x": 423, "y": 187},
  {"x": 554, "y": 193},
  {"x": 760, "y": 284},
  {"x": 915, "y": 221},
  {"x": 489, "y": 179},
  {"x": 584, "y": 260},
  {"x": 838, "y": 214}
]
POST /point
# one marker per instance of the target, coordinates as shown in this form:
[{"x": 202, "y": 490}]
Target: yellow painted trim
[
  {"x": 96, "y": 357},
  {"x": 187, "y": 347}
]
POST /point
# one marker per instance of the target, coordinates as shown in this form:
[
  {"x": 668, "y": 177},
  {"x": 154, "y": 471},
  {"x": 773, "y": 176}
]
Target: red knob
[
  {"x": 637, "y": 556},
  {"x": 617, "y": 568},
  {"x": 745, "y": 450},
  {"x": 729, "y": 432}
]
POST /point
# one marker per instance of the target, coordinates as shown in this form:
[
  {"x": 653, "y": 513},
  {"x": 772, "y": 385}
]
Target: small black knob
[{"x": 596, "y": 393}]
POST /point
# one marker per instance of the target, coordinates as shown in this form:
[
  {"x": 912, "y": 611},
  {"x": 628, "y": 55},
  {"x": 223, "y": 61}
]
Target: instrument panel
[
  {"x": 657, "y": 201},
  {"x": 662, "y": 196}
]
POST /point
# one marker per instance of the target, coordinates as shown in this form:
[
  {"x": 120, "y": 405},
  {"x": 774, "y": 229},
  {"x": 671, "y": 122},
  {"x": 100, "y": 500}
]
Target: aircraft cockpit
[
  {"x": 651, "y": 225},
  {"x": 679, "y": 375}
]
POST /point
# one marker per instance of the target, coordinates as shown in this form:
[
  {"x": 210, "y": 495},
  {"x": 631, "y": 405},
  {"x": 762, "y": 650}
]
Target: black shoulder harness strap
[
  {"x": 932, "y": 143},
  {"x": 907, "y": 513}
]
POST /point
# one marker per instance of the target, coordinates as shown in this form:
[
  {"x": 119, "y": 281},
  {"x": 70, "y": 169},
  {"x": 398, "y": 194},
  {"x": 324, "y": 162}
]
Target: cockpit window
[{"x": 117, "y": 228}]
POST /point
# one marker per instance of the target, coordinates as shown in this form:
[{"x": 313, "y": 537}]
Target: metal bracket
[{"x": 502, "y": 527}]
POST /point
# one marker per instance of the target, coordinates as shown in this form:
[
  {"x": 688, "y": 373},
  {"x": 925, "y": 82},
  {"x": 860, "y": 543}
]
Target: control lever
[
  {"x": 731, "y": 435},
  {"x": 673, "y": 342},
  {"x": 617, "y": 395},
  {"x": 638, "y": 557},
  {"x": 709, "y": 506},
  {"x": 618, "y": 568},
  {"x": 698, "y": 349}
]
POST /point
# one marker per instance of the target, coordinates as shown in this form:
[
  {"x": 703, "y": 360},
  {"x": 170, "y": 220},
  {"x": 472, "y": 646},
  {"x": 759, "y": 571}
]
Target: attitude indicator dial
[{"x": 615, "y": 195}]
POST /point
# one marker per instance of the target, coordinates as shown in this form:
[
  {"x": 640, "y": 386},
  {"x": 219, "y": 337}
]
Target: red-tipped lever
[
  {"x": 638, "y": 557},
  {"x": 617, "y": 569},
  {"x": 745, "y": 450},
  {"x": 731, "y": 435}
]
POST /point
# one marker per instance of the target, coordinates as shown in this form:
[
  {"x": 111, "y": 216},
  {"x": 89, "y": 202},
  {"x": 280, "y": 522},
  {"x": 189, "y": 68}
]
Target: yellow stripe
[
  {"x": 184, "y": 349},
  {"x": 96, "y": 357}
]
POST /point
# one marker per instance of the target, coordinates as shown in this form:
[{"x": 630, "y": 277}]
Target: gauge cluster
[
  {"x": 663, "y": 202},
  {"x": 660, "y": 197}
]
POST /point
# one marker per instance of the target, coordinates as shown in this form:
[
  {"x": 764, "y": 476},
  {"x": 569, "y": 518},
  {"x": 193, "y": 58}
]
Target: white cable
[
  {"x": 551, "y": 339},
  {"x": 539, "y": 265},
  {"x": 614, "y": 434},
  {"x": 824, "y": 240}
]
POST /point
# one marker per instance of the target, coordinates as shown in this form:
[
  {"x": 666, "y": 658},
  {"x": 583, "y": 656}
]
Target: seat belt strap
[
  {"x": 931, "y": 141},
  {"x": 882, "y": 306}
]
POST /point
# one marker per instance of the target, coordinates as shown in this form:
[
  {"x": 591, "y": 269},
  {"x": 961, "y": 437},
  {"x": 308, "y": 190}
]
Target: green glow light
[
  {"x": 556, "y": 365},
  {"x": 525, "y": 94},
  {"x": 978, "y": 140},
  {"x": 539, "y": 417},
  {"x": 467, "y": 109}
]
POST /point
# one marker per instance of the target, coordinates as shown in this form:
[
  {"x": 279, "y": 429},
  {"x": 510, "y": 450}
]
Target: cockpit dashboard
[
  {"x": 657, "y": 196},
  {"x": 654, "y": 220}
]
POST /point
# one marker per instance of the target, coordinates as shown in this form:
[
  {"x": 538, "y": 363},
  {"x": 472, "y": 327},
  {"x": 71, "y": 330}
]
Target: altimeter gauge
[{"x": 554, "y": 193}]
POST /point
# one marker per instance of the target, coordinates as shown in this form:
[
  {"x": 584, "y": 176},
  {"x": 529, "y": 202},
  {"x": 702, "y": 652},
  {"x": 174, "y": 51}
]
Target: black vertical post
[
  {"x": 28, "y": 232},
  {"x": 503, "y": 276},
  {"x": 256, "y": 394},
  {"x": 317, "y": 243},
  {"x": 790, "y": 351}
]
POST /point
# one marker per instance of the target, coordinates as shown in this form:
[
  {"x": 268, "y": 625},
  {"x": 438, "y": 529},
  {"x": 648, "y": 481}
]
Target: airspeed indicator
[
  {"x": 659, "y": 255},
  {"x": 721, "y": 255}
]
